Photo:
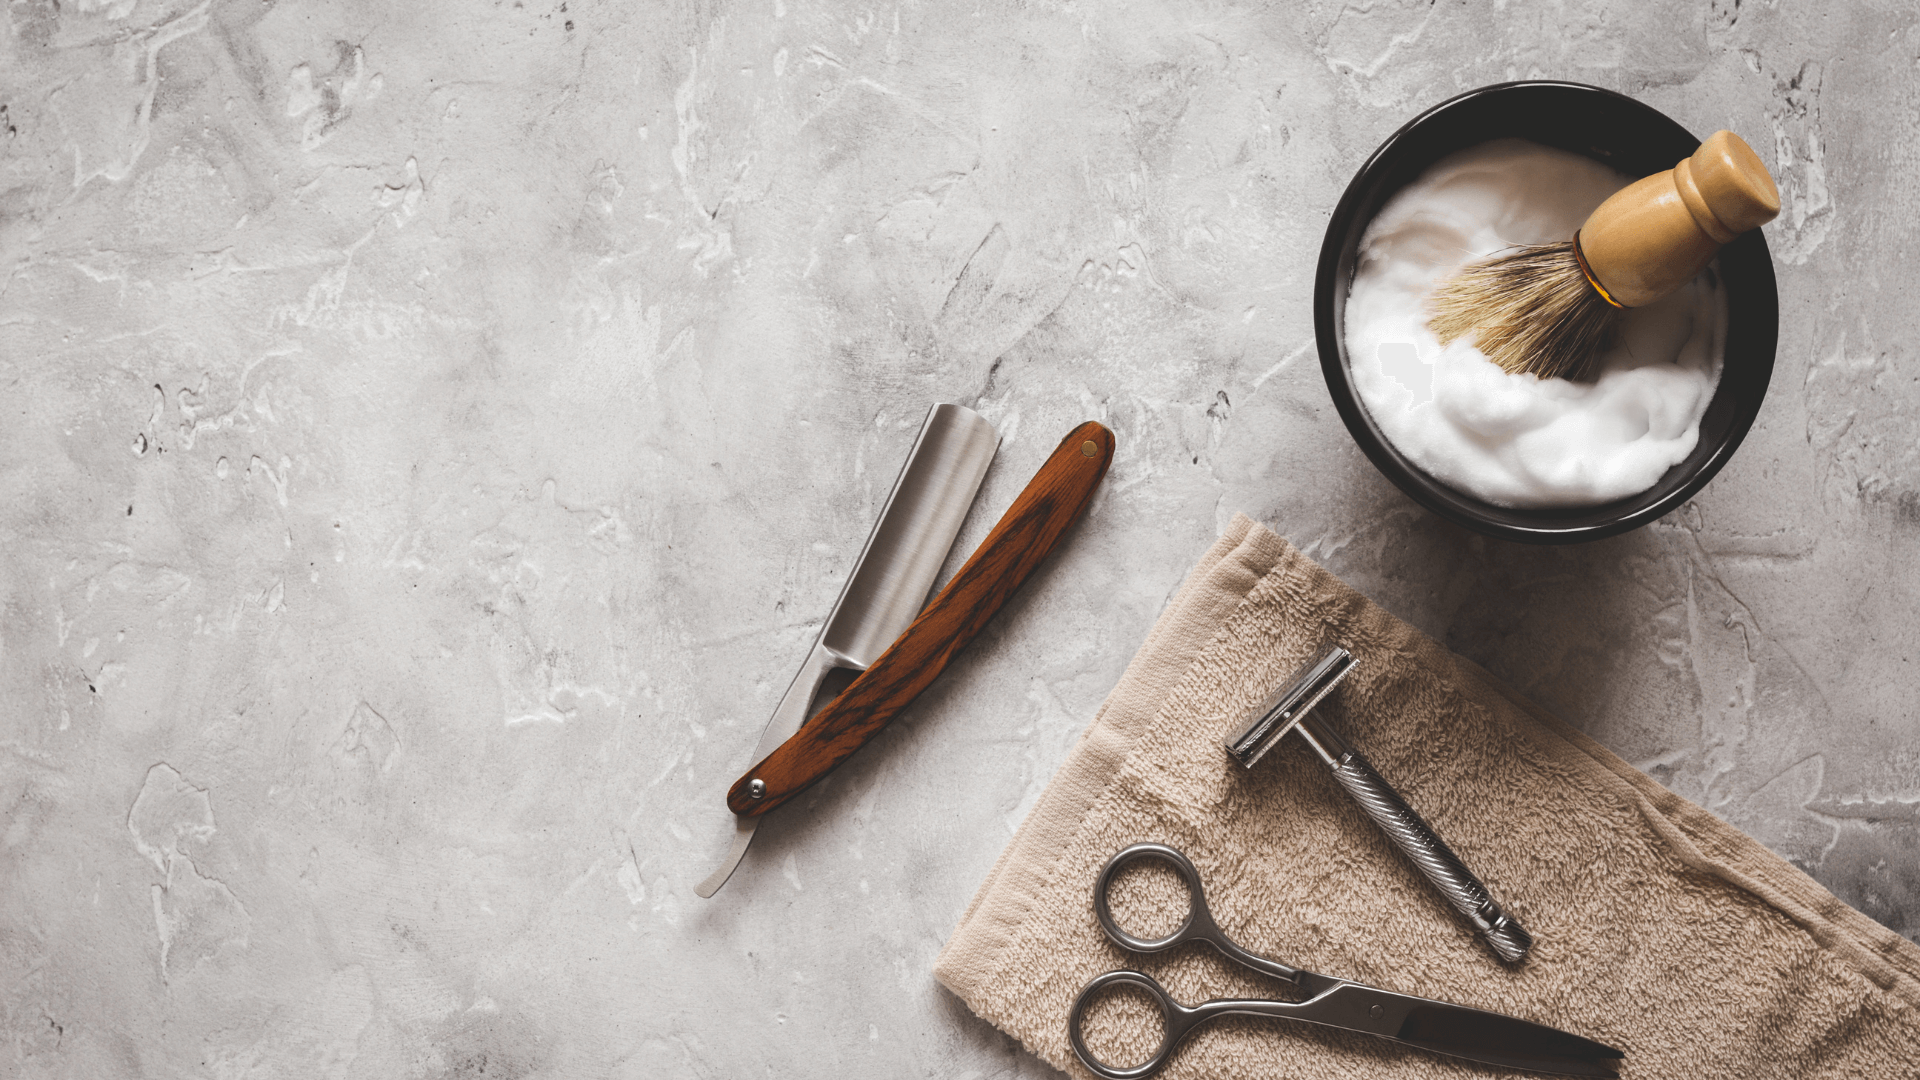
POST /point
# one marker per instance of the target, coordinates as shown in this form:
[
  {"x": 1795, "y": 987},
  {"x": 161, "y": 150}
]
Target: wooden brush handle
[
  {"x": 1654, "y": 234},
  {"x": 1030, "y": 529}
]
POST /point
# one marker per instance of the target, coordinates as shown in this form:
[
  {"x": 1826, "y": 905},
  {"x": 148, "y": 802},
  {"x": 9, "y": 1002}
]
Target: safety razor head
[{"x": 1279, "y": 713}]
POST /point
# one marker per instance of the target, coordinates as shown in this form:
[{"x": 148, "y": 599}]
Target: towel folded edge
[{"x": 1712, "y": 846}]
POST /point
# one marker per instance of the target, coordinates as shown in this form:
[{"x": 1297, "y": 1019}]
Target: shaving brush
[{"x": 1550, "y": 309}]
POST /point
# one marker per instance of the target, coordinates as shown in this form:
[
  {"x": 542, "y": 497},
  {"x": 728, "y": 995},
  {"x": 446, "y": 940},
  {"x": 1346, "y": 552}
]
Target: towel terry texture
[{"x": 1661, "y": 929}]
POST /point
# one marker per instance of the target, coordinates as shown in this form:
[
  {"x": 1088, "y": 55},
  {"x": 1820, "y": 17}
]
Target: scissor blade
[
  {"x": 1494, "y": 1039},
  {"x": 1458, "y": 1030}
]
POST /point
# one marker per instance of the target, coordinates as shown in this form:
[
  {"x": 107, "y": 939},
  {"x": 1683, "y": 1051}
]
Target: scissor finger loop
[
  {"x": 1175, "y": 1021},
  {"x": 1199, "y": 921},
  {"x": 1199, "y": 924}
]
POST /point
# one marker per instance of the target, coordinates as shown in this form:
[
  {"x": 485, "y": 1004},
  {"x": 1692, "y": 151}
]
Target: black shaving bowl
[{"x": 1605, "y": 126}]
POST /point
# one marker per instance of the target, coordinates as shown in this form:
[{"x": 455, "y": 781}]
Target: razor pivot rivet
[
  {"x": 1089, "y": 449},
  {"x": 757, "y": 789}
]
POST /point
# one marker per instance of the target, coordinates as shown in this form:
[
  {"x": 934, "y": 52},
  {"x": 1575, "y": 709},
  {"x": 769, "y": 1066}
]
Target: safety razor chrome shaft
[{"x": 1291, "y": 710}]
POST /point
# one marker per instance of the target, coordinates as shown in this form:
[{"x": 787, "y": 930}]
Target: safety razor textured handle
[{"x": 1411, "y": 835}]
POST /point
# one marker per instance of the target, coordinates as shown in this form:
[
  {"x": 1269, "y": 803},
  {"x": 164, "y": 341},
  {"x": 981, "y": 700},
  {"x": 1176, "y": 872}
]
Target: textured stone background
[{"x": 432, "y": 433}]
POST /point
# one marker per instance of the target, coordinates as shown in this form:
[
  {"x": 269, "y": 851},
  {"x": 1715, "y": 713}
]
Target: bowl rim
[{"x": 1545, "y": 525}]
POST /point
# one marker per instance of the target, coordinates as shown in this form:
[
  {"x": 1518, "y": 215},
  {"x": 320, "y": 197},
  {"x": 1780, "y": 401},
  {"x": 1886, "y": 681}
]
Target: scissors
[{"x": 1444, "y": 1028}]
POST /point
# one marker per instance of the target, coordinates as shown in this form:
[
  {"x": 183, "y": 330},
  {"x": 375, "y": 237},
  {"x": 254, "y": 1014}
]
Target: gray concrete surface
[{"x": 433, "y": 432}]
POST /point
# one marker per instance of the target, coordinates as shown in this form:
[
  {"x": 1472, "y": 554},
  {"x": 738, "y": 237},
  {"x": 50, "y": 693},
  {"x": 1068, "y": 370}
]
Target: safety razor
[{"x": 1291, "y": 709}]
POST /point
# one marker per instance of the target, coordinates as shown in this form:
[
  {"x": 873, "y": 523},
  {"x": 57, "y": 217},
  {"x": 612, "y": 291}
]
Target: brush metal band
[{"x": 1581, "y": 258}]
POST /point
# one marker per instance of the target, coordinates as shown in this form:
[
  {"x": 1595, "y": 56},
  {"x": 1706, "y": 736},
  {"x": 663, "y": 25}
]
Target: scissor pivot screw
[{"x": 756, "y": 789}]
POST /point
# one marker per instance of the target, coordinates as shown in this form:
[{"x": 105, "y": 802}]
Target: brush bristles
[{"x": 1529, "y": 310}]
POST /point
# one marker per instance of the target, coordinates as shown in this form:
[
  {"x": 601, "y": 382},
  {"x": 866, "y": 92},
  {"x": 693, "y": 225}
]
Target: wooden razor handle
[
  {"x": 1031, "y": 528},
  {"x": 1653, "y": 235}
]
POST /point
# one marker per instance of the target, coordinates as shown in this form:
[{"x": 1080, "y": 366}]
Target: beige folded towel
[{"x": 1661, "y": 929}]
